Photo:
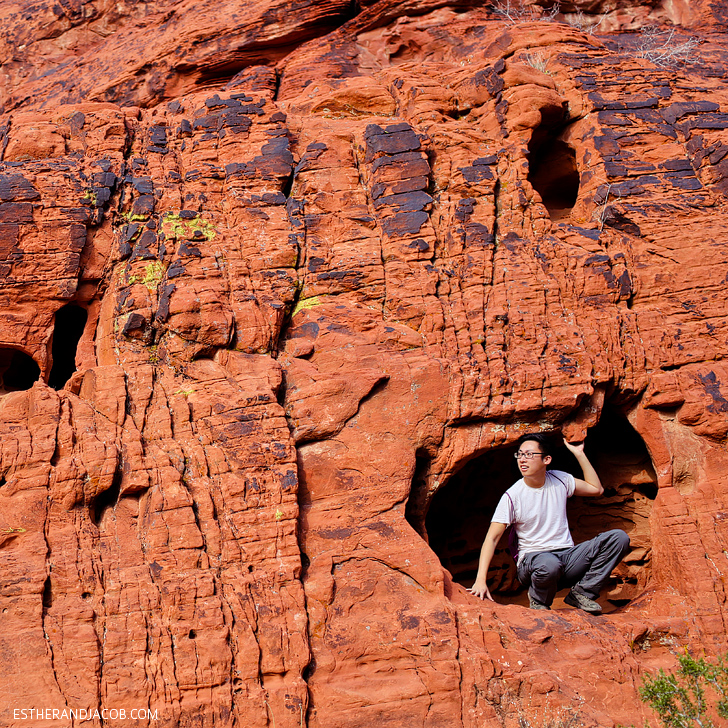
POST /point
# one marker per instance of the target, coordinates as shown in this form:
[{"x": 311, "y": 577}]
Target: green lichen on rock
[
  {"x": 129, "y": 217},
  {"x": 305, "y": 303},
  {"x": 174, "y": 226},
  {"x": 153, "y": 274}
]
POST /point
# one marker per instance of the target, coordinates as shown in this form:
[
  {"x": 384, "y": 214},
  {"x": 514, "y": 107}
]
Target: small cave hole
[
  {"x": 308, "y": 671},
  {"x": 70, "y": 322},
  {"x": 553, "y": 173},
  {"x": 47, "y": 594},
  {"x": 205, "y": 354},
  {"x": 86, "y": 595},
  {"x": 459, "y": 513},
  {"x": 106, "y": 499},
  {"x": 18, "y": 370},
  {"x": 288, "y": 185},
  {"x": 416, "y": 508},
  {"x": 192, "y": 634}
]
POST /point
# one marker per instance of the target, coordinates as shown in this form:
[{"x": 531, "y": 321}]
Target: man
[{"x": 547, "y": 558}]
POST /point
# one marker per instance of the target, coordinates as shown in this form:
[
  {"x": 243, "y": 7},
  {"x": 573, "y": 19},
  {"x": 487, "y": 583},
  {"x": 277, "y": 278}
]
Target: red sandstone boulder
[{"x": 281, "y": 285}]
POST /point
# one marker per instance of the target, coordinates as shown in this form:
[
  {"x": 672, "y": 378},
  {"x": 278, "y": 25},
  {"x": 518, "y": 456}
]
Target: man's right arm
[{"x": 480, "y": 587}]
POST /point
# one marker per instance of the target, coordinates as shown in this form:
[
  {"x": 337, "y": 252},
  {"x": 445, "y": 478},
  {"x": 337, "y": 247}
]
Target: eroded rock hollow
[{"x": 280, "y": 286}]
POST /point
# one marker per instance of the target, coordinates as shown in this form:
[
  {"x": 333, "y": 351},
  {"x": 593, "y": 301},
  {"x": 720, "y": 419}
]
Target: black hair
[{"x": 544, "y": 442}]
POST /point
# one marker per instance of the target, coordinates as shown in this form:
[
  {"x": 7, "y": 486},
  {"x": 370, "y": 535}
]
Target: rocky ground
[{"x": 280, "y": 285}]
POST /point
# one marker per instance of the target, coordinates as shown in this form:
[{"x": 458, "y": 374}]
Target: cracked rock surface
[{"x": 326, "y": 262}]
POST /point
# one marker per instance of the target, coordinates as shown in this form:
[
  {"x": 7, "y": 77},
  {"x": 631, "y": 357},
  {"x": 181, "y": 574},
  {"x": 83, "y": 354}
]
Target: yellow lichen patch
[
  {"x": 151, "y": 276},
  {"x": 305, "y": 303},
  {"x": 129, "y": 217},
  {"x": 177, "y": 227}
]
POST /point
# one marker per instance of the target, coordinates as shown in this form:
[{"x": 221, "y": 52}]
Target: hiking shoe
[
  {"x": 581, "y": 601},
  {"x": 535, "y": 604}
]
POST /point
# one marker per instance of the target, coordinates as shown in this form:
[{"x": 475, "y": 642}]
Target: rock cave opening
[
  {"x": 460, "y": 511},
  {"x": 106, "y": 500},
  {"x": 18, "y": 370},
  {"x": 553, "y": 173},
  {"x": 70, "y": 321}
]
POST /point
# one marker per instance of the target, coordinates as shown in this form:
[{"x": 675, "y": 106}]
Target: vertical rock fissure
[
  {"x": 5, "y": 132},
  {"x": 47, "y": 602},
  {"x": 496, "y": 229},
  {"x": 309, "y": 668}
]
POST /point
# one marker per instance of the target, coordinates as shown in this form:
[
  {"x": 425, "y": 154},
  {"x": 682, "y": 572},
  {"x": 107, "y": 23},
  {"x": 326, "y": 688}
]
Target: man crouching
[{"x": 547, "y": 558}]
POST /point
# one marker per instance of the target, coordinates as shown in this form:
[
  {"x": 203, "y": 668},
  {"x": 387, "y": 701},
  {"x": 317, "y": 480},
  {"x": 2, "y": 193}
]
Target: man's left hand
[{"x": 575, "y": 448}]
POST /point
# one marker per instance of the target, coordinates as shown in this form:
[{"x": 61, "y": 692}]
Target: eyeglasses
[{"x": 527, "y": 455}]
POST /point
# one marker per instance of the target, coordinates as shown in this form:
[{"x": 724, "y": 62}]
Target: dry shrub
[
  {"x": 519, "y": 11},
  {"x": 663, "y": 48},
  {"x": 583, "y": 22}
]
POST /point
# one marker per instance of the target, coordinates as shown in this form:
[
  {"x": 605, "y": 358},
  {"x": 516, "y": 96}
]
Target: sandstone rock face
[{"x": 280, "y": 286}]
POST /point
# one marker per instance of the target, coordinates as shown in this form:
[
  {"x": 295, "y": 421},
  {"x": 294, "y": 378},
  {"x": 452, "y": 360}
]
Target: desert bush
[
  {"x": 519, "y": 11},
  {"x": 586, "y": 23},
  {"x": 537, "y": 61},
  {"x": 663, "y": 48},
  {"x": 693, "y": 696}
]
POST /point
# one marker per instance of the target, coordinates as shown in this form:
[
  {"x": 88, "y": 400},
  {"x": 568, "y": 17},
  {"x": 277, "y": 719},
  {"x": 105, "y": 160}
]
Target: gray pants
[{"x": 586, "y": 566}]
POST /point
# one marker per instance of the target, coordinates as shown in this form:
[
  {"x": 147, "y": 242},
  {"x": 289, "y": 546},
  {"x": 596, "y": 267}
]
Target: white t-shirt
[{"x": 539, "y": 514}]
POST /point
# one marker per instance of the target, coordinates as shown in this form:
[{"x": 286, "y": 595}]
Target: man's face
[{"x": 531, "y": 461}]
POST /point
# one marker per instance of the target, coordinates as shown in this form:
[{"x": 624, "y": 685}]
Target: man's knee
[
  {"x": 620, "y": 538},
  {"x": 617, "y": 540},
  {"x": 546, "y": 568}
]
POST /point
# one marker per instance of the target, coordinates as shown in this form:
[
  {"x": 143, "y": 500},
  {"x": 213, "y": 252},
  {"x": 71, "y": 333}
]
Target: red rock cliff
[{"x": 281, "y": 284}]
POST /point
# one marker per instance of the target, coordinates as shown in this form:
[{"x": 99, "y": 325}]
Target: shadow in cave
[
  {"x": 18, "y": 370},
  {"x": 459, "y": 513},
  {"x": 553, "y": 173},
  {"x": 70, "y": 322}
]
